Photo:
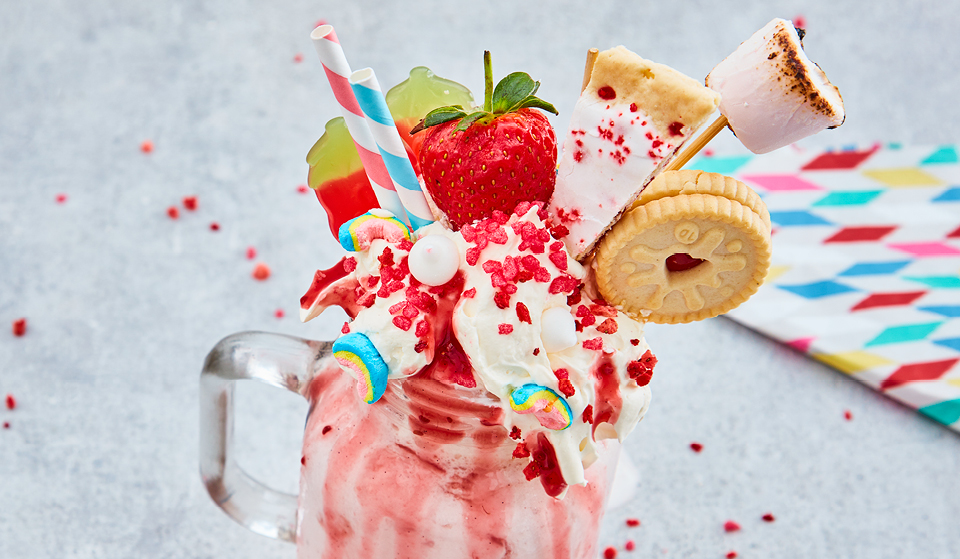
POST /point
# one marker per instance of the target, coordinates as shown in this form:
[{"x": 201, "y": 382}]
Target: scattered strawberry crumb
[
  {"x": 19, "y": 327},
  {"x": 303, "y": 189},
  {"x": 848, "y": 415},
  {"x": 732, "y": 555},
  {"x": 190, "y": 203},
  {"x": 730, "y": 526},
  {"x": 61, "y": 198},
  {"x": 251, "y": 253},
  {"x": 515, "y": 433},
  {"x": 629, "y": 546},
  {"x": 635, "y": 342},
  {"x": 610, "y": 553},
  {"x": 521, "y": 451},
  {"x": 214, "y": 226},
  {"x": 536, "y": 351},
  {"x": 298, "y": 58},
  {"x": 799, "y": 21},
  {"x": 708, "y": 153},
  {"x": 173, "y": 212},
  {"x": 505, "y": 329},
  {"x": 6, "y": 424},
  {"x": 346, "y": 328},
  {"x": 633, "y": 522},
  {"x": 11, "y": 402},
  {"x": 146, "y": 146},
  {"x": 768, "y": 517},
  {"x": 261, "y": 271},
  {"x": 470, "y": 293},
  {"x": 279, "y": 313},
  {"x": 696, "y": 447}
]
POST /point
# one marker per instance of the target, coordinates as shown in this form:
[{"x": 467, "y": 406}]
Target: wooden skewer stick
[
  {"x": 588, "y": 69},
  {"x": 698, "y": 144}
]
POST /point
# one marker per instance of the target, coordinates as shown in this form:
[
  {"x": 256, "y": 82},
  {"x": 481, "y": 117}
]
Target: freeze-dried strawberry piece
[
  {"x": 397, "y": 307},
  {"x": 561, "y": 373},
  {"x": 530, "y": 262},
  {"x": 563, "y": 284},
  {"x": 349, "y": 264},
  {"x": 574, "y": 298},
  {"x": 603, "y": 310},
  {"x": 470, "y": 293},
  {"x": 556, "y": 246},
  {"x": 422, "y": 329},
  {"x": 420, "y": 346},
  {"x": 472, "y": 256},
  {"x": 510, "y": 268},
  {"x": 521, "y": 451},
  {"x": 730, "y": 526},
  {"x": 635, "y": 342},
  {"x": 566, "y": 387},
  {"x": 559, "y": 259},
  {"x": 523, "y": 313},
  {"x": 505, "y": 329},
  {"x": 608, "y": 326},
  {"x": 696, "y": 447},
  {"x": 492, "y": 266},
  {"x": 11, "y": 402},
  {"x": 402, "y": 322},
  {"x": 633, "y": 522},
  {"x": 405, "y": 244},
  {"x": 583, "y": 311},
  {"x": 497, "y": 279},
  {"x": 346, "y": 328},
  {"x": 515, "y": 433},
  {"x": 386, "y": 257},
  {"x": 610, "y": 553},
  {"x": 588, "y": 414},
  {"x": 588, "y": 320},
  {"x": 19, "y": 327},
  {"x": 502, "y": 300},
  {"x": 559, "y": 231},
  {"x": 594, "y": 344},
  {"x": 542, "y": 275},
  {"x": 768, "y": 517},
  {"x": 532, "y": 471},
  {"x": 190, "y": 203},
  {"x": 214, "y": 226}
]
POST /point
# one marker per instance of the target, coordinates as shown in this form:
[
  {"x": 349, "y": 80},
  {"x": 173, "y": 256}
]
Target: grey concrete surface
[{"x": 123, "y": 302}]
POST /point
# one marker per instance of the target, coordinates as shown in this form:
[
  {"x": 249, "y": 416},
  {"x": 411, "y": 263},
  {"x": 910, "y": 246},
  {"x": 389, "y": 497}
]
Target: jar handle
[{"x": 275, "y": 359}]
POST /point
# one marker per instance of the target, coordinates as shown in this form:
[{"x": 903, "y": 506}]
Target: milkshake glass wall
[{"x": 426, "y": 472}]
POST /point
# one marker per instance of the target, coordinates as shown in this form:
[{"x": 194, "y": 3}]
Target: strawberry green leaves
[
  {"x": 517, "y": 91},
  {"x": 514, "y": 92}
]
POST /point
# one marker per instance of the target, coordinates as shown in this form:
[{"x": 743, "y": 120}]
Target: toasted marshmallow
[{"x": 772, "y": 94}]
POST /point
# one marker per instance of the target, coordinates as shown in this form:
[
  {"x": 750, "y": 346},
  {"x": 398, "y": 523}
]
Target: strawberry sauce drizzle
[
  {"x": 333, "y": 286},
  {"x": 608, "y": 399}
]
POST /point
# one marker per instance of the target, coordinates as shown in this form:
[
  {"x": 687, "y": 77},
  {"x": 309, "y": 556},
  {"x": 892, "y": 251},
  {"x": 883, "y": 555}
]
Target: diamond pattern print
[
  {"x": 888, "y": 300},
  {"x": 857, "y": 234},
  {"x": 838, "y": 160},
  {"x": 851, "y": 198},
  {"x": 850, "y": 244},
  {"x": 908, "y": 177},
  {"x": 917, "y": 372},
  {"x": 818, "y": 289},
  {"x": 904, "y": 333}
]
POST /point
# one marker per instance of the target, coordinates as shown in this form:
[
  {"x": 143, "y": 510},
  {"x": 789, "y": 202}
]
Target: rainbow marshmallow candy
[
  {"x": 550, "y": 409},
  {"x": 356, "y": 355},
  {"x": 357, "y": 234}
]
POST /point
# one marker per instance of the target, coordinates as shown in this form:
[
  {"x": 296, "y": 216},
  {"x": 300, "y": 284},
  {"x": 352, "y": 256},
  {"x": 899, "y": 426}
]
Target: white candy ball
[
  {"x": 434, "y": 260},
  {"x": 558, "y": 329}
]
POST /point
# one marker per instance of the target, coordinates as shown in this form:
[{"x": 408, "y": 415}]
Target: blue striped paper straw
[
  {"x": 369, "y": 96},
  {"x": 338, "y": 72}
]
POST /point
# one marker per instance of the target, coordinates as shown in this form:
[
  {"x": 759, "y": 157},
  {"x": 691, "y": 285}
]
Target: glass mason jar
[{"x": 426, "y": 472}]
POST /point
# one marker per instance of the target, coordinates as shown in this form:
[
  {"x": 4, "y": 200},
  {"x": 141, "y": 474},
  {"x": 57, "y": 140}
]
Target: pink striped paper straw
[
  {"x": 367, "y": 91},
  {"x": 337, "y": 69}
]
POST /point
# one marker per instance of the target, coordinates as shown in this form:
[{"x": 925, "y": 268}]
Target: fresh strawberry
[{"x": 492, "y": 159}]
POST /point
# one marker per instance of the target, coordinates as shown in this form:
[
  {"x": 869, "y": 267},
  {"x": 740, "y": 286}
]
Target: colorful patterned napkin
[{"x": 866, "y": 265}]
